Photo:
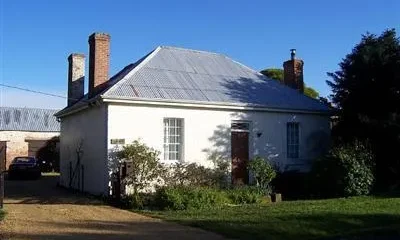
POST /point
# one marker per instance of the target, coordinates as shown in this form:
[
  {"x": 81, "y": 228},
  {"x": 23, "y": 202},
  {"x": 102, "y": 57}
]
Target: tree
[
  {"x": 274, "y": 73},
  {"x": 311, "y": 92},
  {"x": 277, "y": 74},
  {"x": 366, "y": 89}
]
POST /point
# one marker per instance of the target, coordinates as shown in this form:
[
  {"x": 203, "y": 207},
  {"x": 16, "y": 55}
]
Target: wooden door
[
  {"x": 240, "y": 157},
  {"x": 3, "y": 149}
]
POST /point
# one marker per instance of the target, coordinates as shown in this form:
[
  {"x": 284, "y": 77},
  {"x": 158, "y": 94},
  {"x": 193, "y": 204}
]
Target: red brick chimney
[
  {"x": 99, "y": 61},
  {"x": 293, "y": 72},
  {"x": 76, "y": 77}
]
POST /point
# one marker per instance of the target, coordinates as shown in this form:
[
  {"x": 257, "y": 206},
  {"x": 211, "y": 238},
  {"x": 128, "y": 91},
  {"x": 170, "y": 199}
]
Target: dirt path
[{"x": 40, "y": 210}]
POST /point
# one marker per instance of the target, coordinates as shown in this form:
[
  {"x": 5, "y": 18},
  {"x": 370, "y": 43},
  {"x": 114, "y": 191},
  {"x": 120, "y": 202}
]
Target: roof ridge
[
  {"x": 214, "y": 53},
  {"x": 180, "y": 71},
  {"x": 29, "y": 108},
  {"x": 191, "y": 50}
]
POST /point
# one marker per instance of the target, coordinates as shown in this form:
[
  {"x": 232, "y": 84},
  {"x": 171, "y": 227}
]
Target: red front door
[{"x": 240, "y": 157}]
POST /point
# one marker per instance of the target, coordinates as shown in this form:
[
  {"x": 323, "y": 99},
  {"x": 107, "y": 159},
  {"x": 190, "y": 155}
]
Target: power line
[{"x": 34, "y": 91}]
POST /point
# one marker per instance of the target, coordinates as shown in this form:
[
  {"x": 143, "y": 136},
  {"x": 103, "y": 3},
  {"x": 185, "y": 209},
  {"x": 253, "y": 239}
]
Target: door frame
[
  {"x": 5, "y": 156},
  {"x": 246, "y": 129}
]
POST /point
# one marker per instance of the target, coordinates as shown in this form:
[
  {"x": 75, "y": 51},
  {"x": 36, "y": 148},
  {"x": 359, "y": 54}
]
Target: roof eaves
[
  {"x": 219, "y": 105},
  {"x": 76, "y": 107}
]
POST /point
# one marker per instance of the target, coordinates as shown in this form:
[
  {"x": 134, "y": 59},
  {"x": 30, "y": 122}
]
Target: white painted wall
[
  {"x": 88, "y": 127},
  {"x": 208, "y": 131},
  {"x": 205, "y": 132}
]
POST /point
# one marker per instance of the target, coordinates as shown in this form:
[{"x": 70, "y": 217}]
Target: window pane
[
  {"x": 292, "y": 140},
  {"x": 172, "y": 138}
]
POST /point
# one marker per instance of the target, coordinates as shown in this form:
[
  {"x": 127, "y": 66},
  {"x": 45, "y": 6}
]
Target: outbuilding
[{"x": 26, "y": 132}]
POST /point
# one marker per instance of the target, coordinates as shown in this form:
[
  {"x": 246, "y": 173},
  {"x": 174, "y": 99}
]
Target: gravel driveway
[{"x": 40, "y": 210}]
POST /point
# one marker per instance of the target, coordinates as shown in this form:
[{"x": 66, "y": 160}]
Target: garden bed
[{"x": 333, "y": 218}]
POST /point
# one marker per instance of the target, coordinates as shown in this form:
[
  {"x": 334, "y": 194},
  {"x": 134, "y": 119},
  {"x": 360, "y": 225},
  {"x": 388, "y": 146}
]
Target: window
[
  {"x": 173, "y": 129},
  {"x": 292, "y": 137}
]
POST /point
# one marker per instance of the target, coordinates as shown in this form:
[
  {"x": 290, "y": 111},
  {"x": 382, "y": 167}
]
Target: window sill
[{"x": 167, "y": 162}]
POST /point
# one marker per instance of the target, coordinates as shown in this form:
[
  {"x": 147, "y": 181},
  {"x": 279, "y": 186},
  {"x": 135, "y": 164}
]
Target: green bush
[
  {"x": 192, "y": 174},
  {"x": 245, "y": 195},
  {"x": 137, "y": 201},
  {"x": 347, "y": 170},
  {"x": 182, "y": 198},
  {"x": 145, "y": 170},
  {"x": 262, "y": 171}
]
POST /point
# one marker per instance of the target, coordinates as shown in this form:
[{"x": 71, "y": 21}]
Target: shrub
[
  {"x": 292, "y": 185},
  {"x": 145, "y": 169},
  {"x": 137, "y": 201},
  {"x": 246, "y": 195},
  {"x": 182, "y": 198},
  {"x": 192, "y": 174},
  {"x": 347, "y": 170},
  {"x": 263, "y": 172}
]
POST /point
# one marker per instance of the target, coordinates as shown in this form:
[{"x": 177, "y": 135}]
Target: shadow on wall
[
  {"x": 49, "y": 155},
  {"x": 220, "y": 151},
  {"x": 318, "y": 143},
  {"x": 73, "y": 166},
  {"x": 262, "y": 90},
  {"x": 259, "y": 145},
  {"x": 116, "y": 172}
]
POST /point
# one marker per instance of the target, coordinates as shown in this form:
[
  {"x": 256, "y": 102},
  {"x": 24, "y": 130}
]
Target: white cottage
[{"x": 192, "y": 106}]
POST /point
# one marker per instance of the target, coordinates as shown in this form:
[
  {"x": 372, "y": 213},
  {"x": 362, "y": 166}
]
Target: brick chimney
[
  {"x": 293, "y": 72},
  {"x": 76, "y": 77},
  {"x": 99, "y": 60}
]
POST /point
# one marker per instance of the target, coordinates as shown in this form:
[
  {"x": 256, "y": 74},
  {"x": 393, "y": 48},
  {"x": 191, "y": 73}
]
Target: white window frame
[
  {"x": 293, "y": 140},
  {"x": 173, "y": 128}
]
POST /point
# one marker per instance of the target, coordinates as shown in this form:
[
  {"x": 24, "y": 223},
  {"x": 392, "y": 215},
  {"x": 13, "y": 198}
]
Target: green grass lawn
[
  {"x": 361, "y": 216},
  {"x": 2, "y": 214}
]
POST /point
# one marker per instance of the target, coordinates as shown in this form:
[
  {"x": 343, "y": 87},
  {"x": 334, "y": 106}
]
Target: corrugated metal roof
[
  {"x": 28, "y": 119},
  {"x": 171, "y": 73}
]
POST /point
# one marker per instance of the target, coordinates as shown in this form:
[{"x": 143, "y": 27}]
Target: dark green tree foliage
[
  {"x": 347, "y": 170},
  {"x": 366, "y": 89},
  {"x": 311, "y": 92},
  {"x": 277, "y": 74},
  {"x": 274, "y": 73}
]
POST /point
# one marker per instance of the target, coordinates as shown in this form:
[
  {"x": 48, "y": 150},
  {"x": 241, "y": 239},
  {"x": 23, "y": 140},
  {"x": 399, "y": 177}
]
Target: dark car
[{"x": 24, "y": 167}]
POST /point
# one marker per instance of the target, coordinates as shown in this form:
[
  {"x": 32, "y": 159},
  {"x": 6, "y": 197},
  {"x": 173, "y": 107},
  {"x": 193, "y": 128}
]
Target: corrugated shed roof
[
  {"x": 28, "y": 119},
  {"x": 170, "y": 73}
]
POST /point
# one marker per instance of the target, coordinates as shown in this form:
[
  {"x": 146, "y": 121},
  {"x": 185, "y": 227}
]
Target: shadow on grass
[
  {"x": 2, "y": 214},
  {"x": 134, "y": 229},
  {"x": 296, "y": 226}
]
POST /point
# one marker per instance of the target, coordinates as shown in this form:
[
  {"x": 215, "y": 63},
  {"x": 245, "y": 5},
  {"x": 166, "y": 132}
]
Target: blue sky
[{"x": 36, "y": 37}]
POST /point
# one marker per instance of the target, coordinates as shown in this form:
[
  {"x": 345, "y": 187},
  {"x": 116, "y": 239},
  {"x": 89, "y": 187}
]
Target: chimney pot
[
  {"x": 76, "y": 77},
  {"x": 293, "y": 53},
  {"x": 99, "y": 60}
]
